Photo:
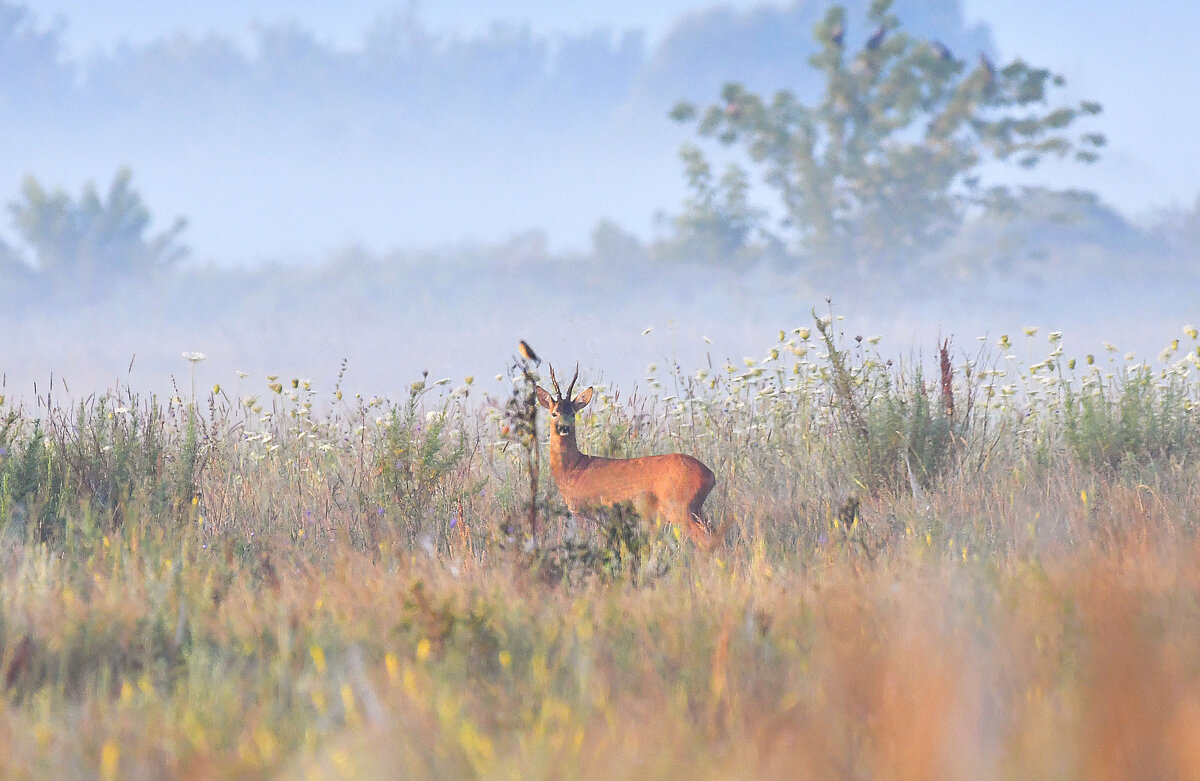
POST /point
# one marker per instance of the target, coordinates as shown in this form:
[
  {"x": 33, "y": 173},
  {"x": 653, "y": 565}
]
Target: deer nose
[{"x": 563, "y": 429}]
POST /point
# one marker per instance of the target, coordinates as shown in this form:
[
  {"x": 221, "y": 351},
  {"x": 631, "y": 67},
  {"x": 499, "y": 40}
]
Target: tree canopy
[
  {"x": 888, "y": 160},
  {"x": 94, "y": 237}
]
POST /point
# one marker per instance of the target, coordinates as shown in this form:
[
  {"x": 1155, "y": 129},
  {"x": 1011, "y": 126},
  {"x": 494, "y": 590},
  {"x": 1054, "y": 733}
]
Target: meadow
[{"x": 975, "y": 563}]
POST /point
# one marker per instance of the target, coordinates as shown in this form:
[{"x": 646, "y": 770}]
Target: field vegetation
[{"x": 976, "y": 563}]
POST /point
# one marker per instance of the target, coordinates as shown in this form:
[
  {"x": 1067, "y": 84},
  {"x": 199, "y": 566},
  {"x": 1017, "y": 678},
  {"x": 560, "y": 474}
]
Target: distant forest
[{"x": 293, "y": 148}]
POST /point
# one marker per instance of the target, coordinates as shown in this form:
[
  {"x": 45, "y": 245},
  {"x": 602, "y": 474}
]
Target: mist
[{"x": 420, "y": 200}]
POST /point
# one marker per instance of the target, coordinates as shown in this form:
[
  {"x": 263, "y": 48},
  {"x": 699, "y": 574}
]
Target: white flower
[{"x": 192, "y": 356}]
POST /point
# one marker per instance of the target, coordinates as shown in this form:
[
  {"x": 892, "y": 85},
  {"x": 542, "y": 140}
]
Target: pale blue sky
[{"x": 1136, "y": 58}]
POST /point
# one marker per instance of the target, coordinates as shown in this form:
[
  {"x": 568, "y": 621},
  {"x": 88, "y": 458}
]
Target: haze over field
[{"x": 288, "y": 134}]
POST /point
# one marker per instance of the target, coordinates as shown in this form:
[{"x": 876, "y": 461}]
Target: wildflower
[
  {"x": 1112, "y": 348},
  {"x": 1030, "y": 330},
  {"x": 1191, "y": 331},
  {"x": 1055, "y": 336},
  {"x": 1005, "y": 342},
  {"x": 194, "y": 357},
  {"x": 110, "y": 759},
  {"x": 318, "y": 656}
]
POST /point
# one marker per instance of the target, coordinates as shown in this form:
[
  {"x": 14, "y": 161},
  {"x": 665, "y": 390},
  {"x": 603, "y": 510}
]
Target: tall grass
[{"x": 991, "y": 575}]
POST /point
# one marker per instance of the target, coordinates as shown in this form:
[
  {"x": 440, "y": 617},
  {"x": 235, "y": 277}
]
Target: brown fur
[{"x": 672, "y": 487}]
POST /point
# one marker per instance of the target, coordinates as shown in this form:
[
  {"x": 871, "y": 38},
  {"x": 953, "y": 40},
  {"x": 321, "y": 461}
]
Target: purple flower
[{"x": 454, "y": 522}]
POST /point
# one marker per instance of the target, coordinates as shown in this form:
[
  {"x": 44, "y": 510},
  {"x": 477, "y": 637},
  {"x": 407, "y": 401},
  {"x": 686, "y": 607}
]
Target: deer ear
[
  {"x": 543, "y": 397},
  {"x": 581, "y": 401}
]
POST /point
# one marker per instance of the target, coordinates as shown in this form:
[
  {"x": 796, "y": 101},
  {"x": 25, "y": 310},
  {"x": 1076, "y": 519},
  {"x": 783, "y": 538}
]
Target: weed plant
[{"x": 991, "y": 575}]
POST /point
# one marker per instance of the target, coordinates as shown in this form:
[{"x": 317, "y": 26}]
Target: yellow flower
[
  {"x": 318, "y": 657},
  {"x": 110, "y": 760}
]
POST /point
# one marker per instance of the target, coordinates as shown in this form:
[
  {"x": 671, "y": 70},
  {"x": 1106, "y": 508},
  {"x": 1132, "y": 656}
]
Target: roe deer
[{"x": 672, "y": 487}]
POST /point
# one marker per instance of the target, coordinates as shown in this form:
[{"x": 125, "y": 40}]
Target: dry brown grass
[{"x": 346, "y": 602}]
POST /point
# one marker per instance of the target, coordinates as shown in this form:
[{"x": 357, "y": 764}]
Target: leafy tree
[
  {"x": 718, "y": 219},
  {"x": 613, "y": 244},
  {"x": 94, "y": 238},
  {"x": 888, "y": 160}
]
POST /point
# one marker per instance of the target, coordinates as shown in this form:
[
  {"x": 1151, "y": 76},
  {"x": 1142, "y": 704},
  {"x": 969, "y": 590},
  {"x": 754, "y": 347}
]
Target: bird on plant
[{"x": 527, "y": 352}]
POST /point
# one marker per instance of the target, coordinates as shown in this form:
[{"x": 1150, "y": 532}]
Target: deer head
[{"x": 562, "y": 407}]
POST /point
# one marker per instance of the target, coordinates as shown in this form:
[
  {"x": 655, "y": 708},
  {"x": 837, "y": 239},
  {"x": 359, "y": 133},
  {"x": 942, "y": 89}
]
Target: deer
[{"x": 671, "y": 487}]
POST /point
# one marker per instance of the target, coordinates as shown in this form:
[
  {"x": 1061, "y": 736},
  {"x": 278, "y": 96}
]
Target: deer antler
[
  {"x": 571, "y": 388},
  {"x": 554, "y": 380}
]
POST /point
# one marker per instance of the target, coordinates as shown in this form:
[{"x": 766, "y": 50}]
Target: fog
[{"x": 417, "y": 199}]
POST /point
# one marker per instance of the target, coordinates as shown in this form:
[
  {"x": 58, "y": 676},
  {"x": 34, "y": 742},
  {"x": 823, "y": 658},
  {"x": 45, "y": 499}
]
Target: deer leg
[{"x": 689, "y": 522}]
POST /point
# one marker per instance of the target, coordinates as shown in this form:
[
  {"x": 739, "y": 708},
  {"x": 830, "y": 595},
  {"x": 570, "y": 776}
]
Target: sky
[{"x": 1135, "y": 58}]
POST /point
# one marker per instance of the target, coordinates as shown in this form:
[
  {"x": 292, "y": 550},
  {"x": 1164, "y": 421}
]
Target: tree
[
  {"x": 718, "y": 219},
  {"x": 888, "y": 160},
  {"x": 94, "y": 239}
]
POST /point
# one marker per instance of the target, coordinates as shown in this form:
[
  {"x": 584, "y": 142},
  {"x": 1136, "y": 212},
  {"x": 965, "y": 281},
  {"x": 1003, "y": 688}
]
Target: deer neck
[{"x": 564, "y": 454}]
